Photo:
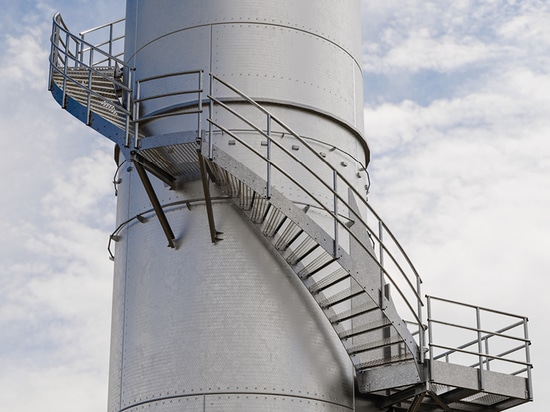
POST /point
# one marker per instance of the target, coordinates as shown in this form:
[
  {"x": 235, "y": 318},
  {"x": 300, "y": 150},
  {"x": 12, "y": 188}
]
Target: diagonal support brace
[
  {"x": 208, "y": 200},
  {"x": 156, "y": 204}
]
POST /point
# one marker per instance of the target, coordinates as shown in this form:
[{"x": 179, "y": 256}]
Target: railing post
[
  {"x": 129, "y": 110},
  {"x": 89, "y": 96},
  {"x": 381, "y": 261},
  {"x": 53, "y": 53},
  {"x": 65, "y": 64},
  {"x": 110, "y": 42},
  {"x": 480, "y": 348},
  {"x": 335, "y": 189},
  {"x": 78, "y": 61},
  {"x": 421, "y": 332},
  {"x": 210, "y": 114},
  {"x": 199, "y": 109},
  {"x": 528, "y": 360},
  {"x": 136, "y": 115},
  {"x": 268, "y": 156},
  {"x": 430, "y": 337},
  {"x": 488, "y": 360},
  {"x": 80, "y": 54}
]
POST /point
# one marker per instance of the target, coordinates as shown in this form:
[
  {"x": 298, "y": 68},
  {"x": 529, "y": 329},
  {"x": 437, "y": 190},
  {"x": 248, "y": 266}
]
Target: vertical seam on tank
[
  {"x": 123, "y": 343},
  {"x": 125, "y": 292},
  {"x": 354, "y": 94},
  {"x": 125, "y": 295}
]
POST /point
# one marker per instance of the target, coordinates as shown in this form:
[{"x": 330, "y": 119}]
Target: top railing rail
[{"x": 408, "y": 287}]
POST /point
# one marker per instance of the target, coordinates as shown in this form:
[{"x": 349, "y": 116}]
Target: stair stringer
[{"x": 352, "y": 265}]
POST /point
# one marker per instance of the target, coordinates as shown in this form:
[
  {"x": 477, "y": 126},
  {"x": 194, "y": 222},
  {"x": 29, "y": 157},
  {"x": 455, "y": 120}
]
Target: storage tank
[{"x": 226, "y": 325}]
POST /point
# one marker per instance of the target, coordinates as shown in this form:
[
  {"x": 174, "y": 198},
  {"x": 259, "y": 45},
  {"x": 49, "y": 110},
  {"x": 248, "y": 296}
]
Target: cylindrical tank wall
[
  {"x": 300, "y": 59},
  {"x": 222, "y": 327},
  {"x": 228, "y": 326}
]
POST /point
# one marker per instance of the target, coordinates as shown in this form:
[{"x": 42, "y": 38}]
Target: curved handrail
[
  {"x": 415, "y": 289},
  {"x": 70, "y": 52}
]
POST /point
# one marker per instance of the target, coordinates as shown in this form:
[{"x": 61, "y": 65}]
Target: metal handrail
[
  {"x": 63, "y": 59},
  {"x": 168, "y": 112},
  {"x": 338, "y": 198},
  {"x": 483, "y": 352},
  {"x": 348, "y": 184},
  {"x": 110, "y": 41}
]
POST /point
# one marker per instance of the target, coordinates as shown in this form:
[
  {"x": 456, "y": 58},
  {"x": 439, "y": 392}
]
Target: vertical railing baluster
[
  {"x": 528, "y": 360},
  {"x": 268, "y": 155},
  {"x": 129, "y": 110},
  {"x": 53, "y": 53},
  {"x": 335, "y": 200},
  {"x": 65, "y": 68},
  {"x": 110, "y": 42},
  {"x": 430, "y": 336},
  {"x": 421, "y": 332},
  {"x": 381, "y": 261},
  {"x": 210, "y": 115},
  {"x": 488, "y": 360},
  {"x": 481, "y": 358},
  {"x": 199, "y": 114},
  {"x": 89, "y": 94},
  {"x": 136, "y": 115}
]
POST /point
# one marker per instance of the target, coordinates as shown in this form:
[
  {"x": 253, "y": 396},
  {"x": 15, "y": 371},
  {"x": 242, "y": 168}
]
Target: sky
[{"x": 457, "y": 116}]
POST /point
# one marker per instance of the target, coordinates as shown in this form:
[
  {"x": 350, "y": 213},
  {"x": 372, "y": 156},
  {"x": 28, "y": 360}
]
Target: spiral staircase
[{"x": 358, "y": 274}]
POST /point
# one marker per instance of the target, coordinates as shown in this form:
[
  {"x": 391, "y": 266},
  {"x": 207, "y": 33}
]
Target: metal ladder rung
[
  {"x": 353, "y": 312},
  {"x": 340, "y": 297},
  {"x": 330, "y": 280},
  {"x": 365, "y": 328},
  {"x": 354, "y": 350},
  {"x": 303, "y": 249}
]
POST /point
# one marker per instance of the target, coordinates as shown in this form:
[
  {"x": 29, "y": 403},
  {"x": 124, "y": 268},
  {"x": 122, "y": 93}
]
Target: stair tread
[
  {"x": 364, "y": 328},
  {"x": 353, "y": 312},
  {"x": 392, "y": 340},
  {"x": 384, "y": 361},
  {"x": 335, "y": 277},
  {"x": 340, "y": 297}
]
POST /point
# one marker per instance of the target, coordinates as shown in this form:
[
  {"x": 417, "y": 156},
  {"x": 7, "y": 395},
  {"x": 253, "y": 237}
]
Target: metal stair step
[
  {"x": 273, "y": 222},
  {"x": 354, "y": 312},
  {"x": 330, "y": 280},
  {"x": 353, "y": 291},
  {"x": 305, "y": 248},
  {"x": 357, "y": 330},
  {"x": 246, "y": 197},
  {"x": 260, "y": 209},
  {"x": 383, "y": 361},
  {"x": 288, "y": 235},
  {"x": 357, "y": 349},
  {"x": 319, "y": 263}
]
